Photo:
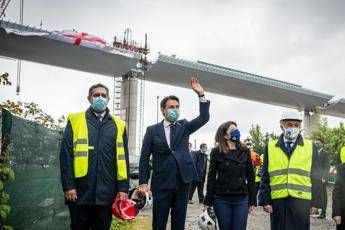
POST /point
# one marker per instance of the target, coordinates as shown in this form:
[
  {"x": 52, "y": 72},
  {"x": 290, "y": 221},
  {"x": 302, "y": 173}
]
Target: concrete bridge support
[
  {"x": 130, "y": 109},
  {"x": 310, "y": 122}
]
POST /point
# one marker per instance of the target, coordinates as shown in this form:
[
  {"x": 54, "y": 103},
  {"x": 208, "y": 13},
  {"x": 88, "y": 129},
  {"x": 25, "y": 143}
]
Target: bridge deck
[{"x": 166, "y": 70}]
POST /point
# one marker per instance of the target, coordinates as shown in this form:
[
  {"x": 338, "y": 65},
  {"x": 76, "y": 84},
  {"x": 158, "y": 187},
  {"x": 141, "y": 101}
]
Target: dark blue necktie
[
  {"x": 288, "y": 145},
  {"x": 172, "y": 133}
]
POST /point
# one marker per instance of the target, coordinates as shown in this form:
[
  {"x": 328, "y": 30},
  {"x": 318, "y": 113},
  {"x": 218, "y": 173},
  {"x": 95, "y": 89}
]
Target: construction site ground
[{"x": 258, "y": 220}]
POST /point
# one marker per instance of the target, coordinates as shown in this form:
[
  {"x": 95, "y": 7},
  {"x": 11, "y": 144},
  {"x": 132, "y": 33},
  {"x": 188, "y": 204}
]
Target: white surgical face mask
[{"x": 291, "y": 133}]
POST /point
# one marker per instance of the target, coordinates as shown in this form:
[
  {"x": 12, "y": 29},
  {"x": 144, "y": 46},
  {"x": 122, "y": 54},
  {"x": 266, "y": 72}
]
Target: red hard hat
[{"x": 124, "y": 209}]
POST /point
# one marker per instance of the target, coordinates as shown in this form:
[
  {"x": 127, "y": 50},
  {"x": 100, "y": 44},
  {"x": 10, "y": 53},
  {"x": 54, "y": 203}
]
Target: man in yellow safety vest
[
  {"x": 290, "y": 181},
  {"x": 94, "y": 162}
]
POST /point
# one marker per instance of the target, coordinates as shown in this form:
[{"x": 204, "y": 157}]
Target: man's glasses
[{"x": 99, "y": 95}]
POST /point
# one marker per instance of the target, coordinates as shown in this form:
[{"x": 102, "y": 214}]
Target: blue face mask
[
  {"x": 173, "y": 114},
  {"x": 235, "y": 135},
  {"x": 99, "y": 104}
]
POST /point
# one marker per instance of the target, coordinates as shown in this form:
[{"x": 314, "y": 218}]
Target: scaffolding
[{"x": 117, "y": 96}]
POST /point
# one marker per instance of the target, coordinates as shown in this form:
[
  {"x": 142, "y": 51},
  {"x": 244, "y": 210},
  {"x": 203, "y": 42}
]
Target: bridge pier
[
  {"x": 131, "y": 109},
  {"x": 310, "y": 122}
]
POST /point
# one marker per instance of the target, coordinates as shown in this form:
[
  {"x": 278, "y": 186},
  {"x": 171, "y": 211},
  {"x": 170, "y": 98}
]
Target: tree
[
  {"x": 4, "y": 79},
  {"x": 259, "y": 139},
  {"x": 334, "y": 138},
  {"x": 6, "y": 172}
]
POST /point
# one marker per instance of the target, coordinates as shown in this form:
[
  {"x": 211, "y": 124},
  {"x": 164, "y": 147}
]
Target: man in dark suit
[
  {"x": 200, "y": 161},
  {"x": 173, "y": 168},
  {"x": 324, "y": 163}
]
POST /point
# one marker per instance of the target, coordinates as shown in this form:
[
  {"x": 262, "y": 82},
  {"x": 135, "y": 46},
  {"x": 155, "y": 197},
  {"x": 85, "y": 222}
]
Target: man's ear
[
  {"x": 89, "y": 99},
  {"x": 281, "y": 127}
]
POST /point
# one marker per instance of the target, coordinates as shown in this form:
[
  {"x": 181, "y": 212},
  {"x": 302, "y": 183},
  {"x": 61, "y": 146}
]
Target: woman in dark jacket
[
  {"x": 230, "y": 181},
  {"x": 338, "y": 205}
]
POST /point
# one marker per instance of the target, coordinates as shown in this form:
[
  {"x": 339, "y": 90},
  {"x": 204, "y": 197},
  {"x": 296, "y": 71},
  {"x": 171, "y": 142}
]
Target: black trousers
[
  {"x": 257, "y": 188},
  {"x": 200, "y": 186},
  {"x": 290, "y": 214},
  {"x": 174, "y": 199},
  {"x": 86, "y": 217},
  {"x": 324, "y": 199}
]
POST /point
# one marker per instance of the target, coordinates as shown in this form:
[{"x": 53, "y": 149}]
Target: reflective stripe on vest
[
  {"x": 81, "y": 146},
  {"x": 120, "y": 150},
  {"x": 290, "y": 177}
]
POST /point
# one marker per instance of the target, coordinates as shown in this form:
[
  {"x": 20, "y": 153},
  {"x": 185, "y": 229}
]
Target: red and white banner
[
  {"x": 80, "y": 39},
  {"x": 89, "y": 40}
]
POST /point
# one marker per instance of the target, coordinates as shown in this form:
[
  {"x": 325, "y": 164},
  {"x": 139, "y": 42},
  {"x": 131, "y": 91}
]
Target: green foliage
[
  {"x": 6, "y": 172},
  {"x": 4, "y": 197},
  {"x": 259, "y": 139},
  {"x": 334, "y": 139},
  {"x": 4, "y": 211},
  {"x": 119, "y": 224},
  {"x": 4, "y": 79},
  {"x": 139, "y": 223},
  {"x": 31, "y": 111}
]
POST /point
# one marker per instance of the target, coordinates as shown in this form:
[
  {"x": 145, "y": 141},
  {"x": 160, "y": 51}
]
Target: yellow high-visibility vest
[
  {"x": 342, "y": 154},
  {"x": 257, "y": 178},
  {"x": 290, "y": 177},
  {"x": 81, "y": 146}
]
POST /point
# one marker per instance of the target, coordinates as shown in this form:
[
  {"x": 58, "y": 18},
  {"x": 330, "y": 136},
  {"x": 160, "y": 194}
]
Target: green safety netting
[{"x": 36, "y": 197}]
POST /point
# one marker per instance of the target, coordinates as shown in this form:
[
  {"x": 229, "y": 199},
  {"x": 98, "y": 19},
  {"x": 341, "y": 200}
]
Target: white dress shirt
[
  {"x": 166, "y": 124},
  {"x": 100, "y": 116}
]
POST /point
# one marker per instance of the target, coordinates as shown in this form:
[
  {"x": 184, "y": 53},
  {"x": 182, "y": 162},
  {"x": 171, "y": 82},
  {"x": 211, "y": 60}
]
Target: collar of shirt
[
  {"x": 166, "y": 124},
  {"x": 101, "y": 116},
  {"x": 287, "y": 140}
]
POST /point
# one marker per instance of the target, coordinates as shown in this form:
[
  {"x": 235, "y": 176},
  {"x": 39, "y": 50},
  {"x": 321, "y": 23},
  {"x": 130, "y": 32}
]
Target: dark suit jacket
[
  {"x": 324, "y": 163},
  {"x": 169, "y": 163},
  {"x": 200, "y": 161},
  {"x": 338, "y": 205}
]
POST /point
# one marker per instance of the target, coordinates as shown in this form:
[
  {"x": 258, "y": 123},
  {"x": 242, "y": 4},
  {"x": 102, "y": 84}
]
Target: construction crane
[{"x": 3, "y": 6}]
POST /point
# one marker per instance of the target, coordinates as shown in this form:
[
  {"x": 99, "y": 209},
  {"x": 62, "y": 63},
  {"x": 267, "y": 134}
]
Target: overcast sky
[{"x": 300, "y": 42}]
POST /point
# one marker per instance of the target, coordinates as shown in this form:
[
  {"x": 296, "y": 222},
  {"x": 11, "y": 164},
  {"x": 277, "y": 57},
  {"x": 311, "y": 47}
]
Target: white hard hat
[
  {"x": 291, "y": 115},
  {"x": 142, "y": 199},
  {"x": 207, "y": 220}
]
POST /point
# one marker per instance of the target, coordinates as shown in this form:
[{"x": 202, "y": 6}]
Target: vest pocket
[{"x": 80, "y": 164}]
